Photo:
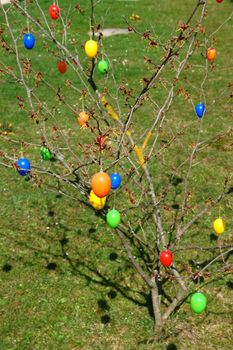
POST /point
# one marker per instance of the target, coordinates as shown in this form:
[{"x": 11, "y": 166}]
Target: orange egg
[
  {"x": 211, "y": 53},
  {"x": 101, "y": 184},
  {"x": 82, "y": 119}
]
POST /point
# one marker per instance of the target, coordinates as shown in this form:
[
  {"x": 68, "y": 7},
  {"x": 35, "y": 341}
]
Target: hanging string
[
  {"x": 114, "y": 195},
  {"x": 21, "y": 150},
  {"x": 101, "y": 161},
  {"x": 82, "y": 99},
  {"x": 219, "y": 211},
  {"x": 28, "y": 23}
]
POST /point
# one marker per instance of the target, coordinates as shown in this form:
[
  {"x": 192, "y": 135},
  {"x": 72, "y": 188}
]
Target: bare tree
[{"x": 158, "y": 200}]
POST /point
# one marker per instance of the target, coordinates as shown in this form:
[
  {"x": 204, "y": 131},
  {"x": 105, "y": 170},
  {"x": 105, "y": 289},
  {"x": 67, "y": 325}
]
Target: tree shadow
[
  {"x": 87, "y": 270},
  {"x": 84, "y": 267},
  {"x": 171, "y": 347},
  {"x": 112, "y": 294},
  {"x": 51, "y": 266},
  {"x": 105, "y": 319},
  {"x": 113, "y": 256},
  {"x": 213, "y": 237},
  {"x": 80, "y": 262},
  {"x": 92, "y": 275},
  {"x": 6, "y": 268},
  {"x": 103, "y": 305},
  {"x": 230, "y": 284}
]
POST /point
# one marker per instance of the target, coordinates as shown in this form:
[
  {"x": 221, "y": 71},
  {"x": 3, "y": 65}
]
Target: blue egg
[
  {"x": 200, "y": 110},
  {"x": 115, "y": 180},
  {"x": 29, "y": 41},
  {"x": 23, "y": 166}
]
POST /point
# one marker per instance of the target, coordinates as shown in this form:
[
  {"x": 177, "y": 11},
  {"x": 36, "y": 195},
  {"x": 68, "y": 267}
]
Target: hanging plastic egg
[
  {"x": 23, "y": 166},
  {"x": 83, "y": 119},
  {"x": 211, "y": 53},
  {"x": 165, "y": 258},
  {"x": 103, "y": 66},
  {"x": 198, "y": 302},
  {"x": 219, "y": 226},
  {"x": 115, "y": 180},
  {"x": 45, "y": 153},
  {"x": 91, "y": 48},
  {"x": 96, "y": 202},
  {"x": 101, "y": 184},
  {"x": 29, "y": 41},
  {"x": 62, "y": 67},
  {"x": 200, "y": 110},
  {"x": 219, "y": 1},
  {"x": 54, "y": 11},
  {"x": 113, "y": 218}
]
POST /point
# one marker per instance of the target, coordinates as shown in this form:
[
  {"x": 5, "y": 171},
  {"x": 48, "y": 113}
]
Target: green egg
[
  {"x": 45, "y": 153},
  {"x": 103, "y": 66},
  {"x": 113, "y": 218},
  {"x": 198, "y": 302}
]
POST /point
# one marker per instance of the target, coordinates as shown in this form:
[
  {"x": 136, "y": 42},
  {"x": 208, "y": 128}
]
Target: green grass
[{"x": 66, "y": 282}]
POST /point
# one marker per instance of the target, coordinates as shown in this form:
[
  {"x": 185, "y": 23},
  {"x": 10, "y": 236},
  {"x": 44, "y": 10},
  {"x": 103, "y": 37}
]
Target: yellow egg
[
  {"x": 96, "y": 202},
  {"x": 219, "y": 226},
  {"x": 91, "y": 48}
]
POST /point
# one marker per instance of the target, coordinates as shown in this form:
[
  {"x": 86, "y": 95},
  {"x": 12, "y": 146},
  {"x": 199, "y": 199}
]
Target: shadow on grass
[
  {"x": 103, "y": 305},
  {"x": 83, "y": 266},
  {"x": 230, "y": 285},
  {"x": 171, "y": 347},
  {"x": 105, "y": 319},
  {"x": 51, "y": 266},
  {"x": 93, "y": 276},
  {"x": 7, "y": 268},
  {"x": 213, "y": 237}
]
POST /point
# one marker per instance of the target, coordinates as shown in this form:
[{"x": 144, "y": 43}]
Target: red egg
[
  {"x": 62, "y": 67},
  {"x": 54, "y": 11},
  {"x": 219, "y": 1},
  {"x": 166, "y": 258}
]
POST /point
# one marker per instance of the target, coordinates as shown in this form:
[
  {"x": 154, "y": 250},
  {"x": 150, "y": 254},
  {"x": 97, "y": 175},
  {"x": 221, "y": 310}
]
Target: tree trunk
[{"x": 156, "y": 308}]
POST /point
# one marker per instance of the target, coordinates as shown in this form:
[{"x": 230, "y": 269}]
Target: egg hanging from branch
[
  {"x": 45, "y": 153},
  {"x": 62, "y": 67},
  {"x": 54, "y": 11},
  {"x": 29, "y": 41},
  {"x": 198, "y": 302},
  {"x": 115, "y": 180},
  {"x": 91, "y": 48},
  {"x": 211, "y": 53},
  {"x": 23, "y": 166},
  {"x": 96, "y": 202},
  {"x": 113, "y": 218},
  {"x": 101, "y": 184},
  {"x": 219, "y": 226},
  {"x": 200, "y": 110},
  {"x": 103, "y": 66},
  {"x": 165, "y": 258},
  {"x": 83, "y": 119}
]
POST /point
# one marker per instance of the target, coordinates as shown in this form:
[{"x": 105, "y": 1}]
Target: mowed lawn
[{"x": 66, "y": 282}]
